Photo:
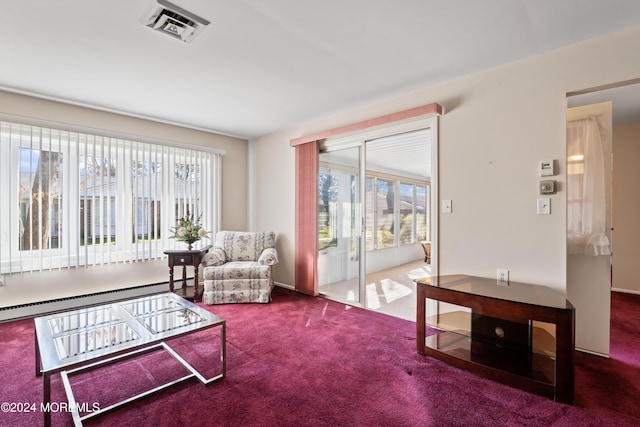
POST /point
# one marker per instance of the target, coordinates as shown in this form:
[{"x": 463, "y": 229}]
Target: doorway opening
[{"x": 590, "y": 279}]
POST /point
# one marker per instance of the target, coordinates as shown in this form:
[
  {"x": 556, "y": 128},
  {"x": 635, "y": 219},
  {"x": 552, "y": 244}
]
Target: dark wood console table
[
  {"x": 498, "y": 344},
  {"x": 186, "y": 258}
]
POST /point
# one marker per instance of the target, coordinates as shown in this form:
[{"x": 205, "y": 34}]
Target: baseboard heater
[{"x": 51, "y": 306}]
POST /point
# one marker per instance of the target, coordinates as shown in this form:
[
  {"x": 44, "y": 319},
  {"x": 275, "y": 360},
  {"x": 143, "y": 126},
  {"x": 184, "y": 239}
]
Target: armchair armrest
[
  {"x": 214, "y": 257},
  {"x": 268, "y": 257}
]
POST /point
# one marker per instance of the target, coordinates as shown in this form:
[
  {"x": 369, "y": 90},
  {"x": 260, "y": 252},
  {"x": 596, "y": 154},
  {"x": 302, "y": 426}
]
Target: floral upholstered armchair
[{"x": 238, "y": 267}]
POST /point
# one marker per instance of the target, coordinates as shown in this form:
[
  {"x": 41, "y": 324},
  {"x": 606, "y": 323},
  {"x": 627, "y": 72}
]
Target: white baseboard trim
[
  {"x": 606, "y": 356},
  {"x": 626, "y": 291},
  {"x": 282, "y": 285}
]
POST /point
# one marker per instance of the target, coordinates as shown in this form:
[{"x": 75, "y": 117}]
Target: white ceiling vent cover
[{"x": 174, "y": 21}]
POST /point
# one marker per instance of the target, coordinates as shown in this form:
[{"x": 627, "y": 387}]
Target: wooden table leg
[
  {"x": 195, "y": 283},
  {"x": 420, "y": 318},
  {"x": 565, "y": 357},
  {"x": 171, "y": 278}
]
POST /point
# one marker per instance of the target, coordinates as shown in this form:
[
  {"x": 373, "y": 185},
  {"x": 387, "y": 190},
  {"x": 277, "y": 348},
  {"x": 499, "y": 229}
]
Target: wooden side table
[{"x": 186, "y": 258}]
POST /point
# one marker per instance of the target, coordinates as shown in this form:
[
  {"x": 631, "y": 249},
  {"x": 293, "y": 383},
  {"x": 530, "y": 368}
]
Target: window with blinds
[{"x": 72, "y": 199}]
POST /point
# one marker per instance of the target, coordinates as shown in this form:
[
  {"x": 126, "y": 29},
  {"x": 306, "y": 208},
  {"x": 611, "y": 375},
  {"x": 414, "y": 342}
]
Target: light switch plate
[
  {"x": 544, "y": 206},
  {"x": 446, "y": 206}
]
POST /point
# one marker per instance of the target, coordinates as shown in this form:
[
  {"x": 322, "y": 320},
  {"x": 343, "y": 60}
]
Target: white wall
[
  {"x": 626, "y": 207},
  {"x": 498, "y": 124}
]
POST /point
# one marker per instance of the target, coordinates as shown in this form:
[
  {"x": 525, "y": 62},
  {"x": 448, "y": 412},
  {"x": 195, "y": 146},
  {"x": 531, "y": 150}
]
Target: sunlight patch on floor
[
  {"x": 373, "y": 299},
  {"x": 419, "y": 273},
  {"x": 393, "y": 290},
  {"x": 390, "y": 291}
]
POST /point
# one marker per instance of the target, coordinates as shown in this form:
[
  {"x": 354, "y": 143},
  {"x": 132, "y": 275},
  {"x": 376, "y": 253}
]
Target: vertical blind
[{"x": 74, "y": 199}]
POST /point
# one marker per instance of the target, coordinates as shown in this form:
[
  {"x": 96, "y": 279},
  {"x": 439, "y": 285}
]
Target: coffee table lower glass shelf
[{"x": 87, "y": 338}]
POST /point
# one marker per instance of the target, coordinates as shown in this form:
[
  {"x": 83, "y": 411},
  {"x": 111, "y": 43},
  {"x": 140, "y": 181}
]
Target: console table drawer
[{"x": 183, "y": 260}]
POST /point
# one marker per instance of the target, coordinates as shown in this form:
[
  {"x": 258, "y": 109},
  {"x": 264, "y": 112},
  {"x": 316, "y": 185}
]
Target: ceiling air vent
[{"x": 173, "y": 21}]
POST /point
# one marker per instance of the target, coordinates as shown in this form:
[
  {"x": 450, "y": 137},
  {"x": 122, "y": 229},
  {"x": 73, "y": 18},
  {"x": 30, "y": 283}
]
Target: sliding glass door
[
  {"x": 376, "y": 231},
  {"x": 340, "y": 225}
]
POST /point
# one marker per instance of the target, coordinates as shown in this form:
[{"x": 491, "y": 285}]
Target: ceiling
[{"x": 262, "y": 66}]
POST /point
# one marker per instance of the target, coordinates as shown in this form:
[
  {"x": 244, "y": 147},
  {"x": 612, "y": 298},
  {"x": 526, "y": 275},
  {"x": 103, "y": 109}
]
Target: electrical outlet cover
[{"x": 503, "y": 277}]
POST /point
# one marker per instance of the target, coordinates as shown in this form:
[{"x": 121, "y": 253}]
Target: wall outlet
[{"x": 503, "y": 277}]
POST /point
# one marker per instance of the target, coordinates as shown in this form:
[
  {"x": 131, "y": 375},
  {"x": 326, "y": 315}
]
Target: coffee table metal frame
[{"x": 135, "y": 327}]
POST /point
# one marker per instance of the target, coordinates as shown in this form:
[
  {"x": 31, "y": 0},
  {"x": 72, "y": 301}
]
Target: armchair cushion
[
  {"x": 237, "y": 271},
  {"x": 244, "y": 246}
]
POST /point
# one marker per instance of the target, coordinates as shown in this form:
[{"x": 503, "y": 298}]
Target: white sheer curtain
[{"x": 586, "y": 203}]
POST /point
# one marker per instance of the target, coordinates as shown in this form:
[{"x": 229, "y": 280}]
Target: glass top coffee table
[{"x": 72, "y": 341}]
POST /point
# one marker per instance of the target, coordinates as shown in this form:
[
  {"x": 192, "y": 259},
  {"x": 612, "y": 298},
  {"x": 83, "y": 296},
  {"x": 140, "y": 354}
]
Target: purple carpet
[{"x": 302, "y": 361}]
